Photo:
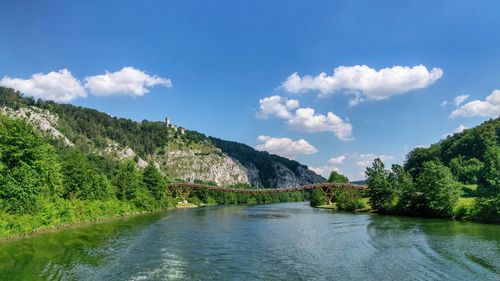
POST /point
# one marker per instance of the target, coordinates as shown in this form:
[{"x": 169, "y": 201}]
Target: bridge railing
[{"x": 268, "y": 190}]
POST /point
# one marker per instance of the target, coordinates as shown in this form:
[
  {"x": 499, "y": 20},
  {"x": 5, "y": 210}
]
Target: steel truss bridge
[{"x": 183, "y": 190}]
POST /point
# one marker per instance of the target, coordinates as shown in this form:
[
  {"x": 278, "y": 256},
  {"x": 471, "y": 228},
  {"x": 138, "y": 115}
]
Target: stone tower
[{"x": 167, "y": 121}]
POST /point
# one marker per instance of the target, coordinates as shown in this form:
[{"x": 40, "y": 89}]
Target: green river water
[{"x": 289, "y": 241}]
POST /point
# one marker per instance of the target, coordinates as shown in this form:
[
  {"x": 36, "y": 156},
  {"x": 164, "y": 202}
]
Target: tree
[
  {"x": 440, "y": 192},
  {"x": 400, "y": 182},
  {"x": 153, "y": 181},
  {"x": 127, "y": 180},
  {"x": 317, "y": 198},
  {"x": 83, "y": 181},
  {"x": 466, "y": 171},
  {"x": 337, "y": 178},
  {"x": 489, "y": 181},
  {"x": 29, "y": 167},
  {"x": 380, "y": 190}
]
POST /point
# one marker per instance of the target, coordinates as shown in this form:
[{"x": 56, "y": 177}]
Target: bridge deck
[{"x": 269, "y": 190}]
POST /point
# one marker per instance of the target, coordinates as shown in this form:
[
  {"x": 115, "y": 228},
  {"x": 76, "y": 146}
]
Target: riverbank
[{"x": 62, "y": 214}]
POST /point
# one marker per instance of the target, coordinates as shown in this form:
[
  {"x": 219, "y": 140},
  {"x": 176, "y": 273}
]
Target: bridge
[{"x": 183, "y": 190}]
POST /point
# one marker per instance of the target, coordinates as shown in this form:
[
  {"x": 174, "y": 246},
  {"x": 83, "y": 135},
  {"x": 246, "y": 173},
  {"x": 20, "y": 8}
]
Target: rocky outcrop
[
  {"x": 288, "y": 178},
  {"x": 44, "y": 120},
  {"x": 199, "y": 164},
  {"x": 122, "y": 153}
]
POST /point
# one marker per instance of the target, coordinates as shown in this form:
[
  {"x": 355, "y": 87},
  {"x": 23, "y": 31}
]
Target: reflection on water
[{"x": 288, "y": 241}]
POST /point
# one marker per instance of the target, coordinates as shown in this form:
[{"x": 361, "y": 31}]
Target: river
[{"x": 288, "y": 241}]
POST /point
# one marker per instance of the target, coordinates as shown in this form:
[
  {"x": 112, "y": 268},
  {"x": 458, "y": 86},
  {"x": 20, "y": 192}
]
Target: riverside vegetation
[
  {"x": 48, "y": 181},
  {"x": 458, "y": 177}
]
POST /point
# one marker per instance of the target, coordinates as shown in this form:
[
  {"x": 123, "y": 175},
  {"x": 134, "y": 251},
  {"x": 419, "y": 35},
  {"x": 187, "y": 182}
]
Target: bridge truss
[{"x": 329, "y": 190}]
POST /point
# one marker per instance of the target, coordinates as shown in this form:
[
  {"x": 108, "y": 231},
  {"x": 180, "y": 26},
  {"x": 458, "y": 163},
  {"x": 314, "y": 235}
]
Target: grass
[
  {"x": 332, "y": 206},
  {"x": 186, "y": 205}
]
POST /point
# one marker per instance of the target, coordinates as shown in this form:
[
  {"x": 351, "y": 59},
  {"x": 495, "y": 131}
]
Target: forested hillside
[
  {"x": 180, "y": 153},
  {"x": 456, "y": 177}
]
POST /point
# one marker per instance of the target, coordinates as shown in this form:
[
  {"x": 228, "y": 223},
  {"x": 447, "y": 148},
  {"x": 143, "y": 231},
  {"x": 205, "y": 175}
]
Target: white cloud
[
  {"x": 460, "y": 128},
  {"x": 365, "y": 160},
  {"x": 460, "y": 99},
  {"x": 490, "y": 107},
  {"x": 304, "y": 119},
  {"x": 325, "y": 170},
  {"x": 330, "y": 166},
  {"x": 337, "y": 160},
  {"x": 352, "y": 165},
  {"x": 277, "y": 106},
  {"x": 285, "y": 147},
  {"x": 55, "y": 85},
  {"x": 127, "y": 81},
  {"x": 364, "y": 82}
]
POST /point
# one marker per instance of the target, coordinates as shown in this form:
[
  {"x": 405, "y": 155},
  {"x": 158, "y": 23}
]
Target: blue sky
[{"x": 210, "y": 65}]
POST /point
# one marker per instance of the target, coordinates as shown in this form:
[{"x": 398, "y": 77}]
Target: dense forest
[{"x": 457, "y": 177}]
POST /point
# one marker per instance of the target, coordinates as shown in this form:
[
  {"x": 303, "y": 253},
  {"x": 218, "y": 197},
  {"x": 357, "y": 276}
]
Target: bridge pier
[
  {"x": 181, "y": 192},
  {"x": 329, "y": 194}
]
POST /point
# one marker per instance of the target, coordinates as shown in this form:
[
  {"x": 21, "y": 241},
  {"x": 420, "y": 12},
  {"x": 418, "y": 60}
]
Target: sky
[{"x": 331, "y": 84}]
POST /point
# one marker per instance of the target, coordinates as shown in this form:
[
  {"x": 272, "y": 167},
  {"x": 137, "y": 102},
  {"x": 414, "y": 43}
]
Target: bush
[
  {"x": 349, "y": 200},
  {"x": 488, "y": 209}
]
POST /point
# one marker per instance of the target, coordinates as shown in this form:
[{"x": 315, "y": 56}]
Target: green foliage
[
  {"x": 154, "y": 182},
  {"x": 488, "y": 209},
  {"x": 82, "y": 180},
  {"x": 317, "y": 198},
  {"x": 466, "y": 171},
  {"x": 128, "y": 181},
  {"x": 473, "y": 156},
  {"x": 437, "y": 189},
  {"x": 380, "y": 190},
  {"x": 29, "y": 167},
  {"x": 337, "y": 178},
  {"x": 349, "y": 200}
]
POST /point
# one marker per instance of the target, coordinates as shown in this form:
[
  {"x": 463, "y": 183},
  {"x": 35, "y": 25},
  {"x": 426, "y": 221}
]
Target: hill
[{"x": 176, "y": 152}]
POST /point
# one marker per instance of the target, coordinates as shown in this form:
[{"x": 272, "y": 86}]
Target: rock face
[
  {"x": 200, "y": 164},
  {"x": 287, "y": 178},
  {"x": 121, "y": 153}
]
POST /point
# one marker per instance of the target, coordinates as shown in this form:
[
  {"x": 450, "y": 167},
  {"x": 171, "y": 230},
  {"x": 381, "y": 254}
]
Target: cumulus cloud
[
  {"x": 325, "y": 170},
  {"x": 127, "y": 81},
  {"x": 285, "y": 147},
  {"x": 277, "y": 106},
  {"x": 304, "y": 119},
  {"x": 62, "y": 86},
  {"x": 352, "y": 165},
  {"x": 337, "y": 160},
  {"x": 490, "y": 107},
  {"x": 460, "y": 128},
  {"x": 457, "y": 101},
  {"x": 460, "y": 99},
  {"x": 55, "y": 85},
  {"x": 364, "y": 82},
  {"x": 365, "y": 160}
]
